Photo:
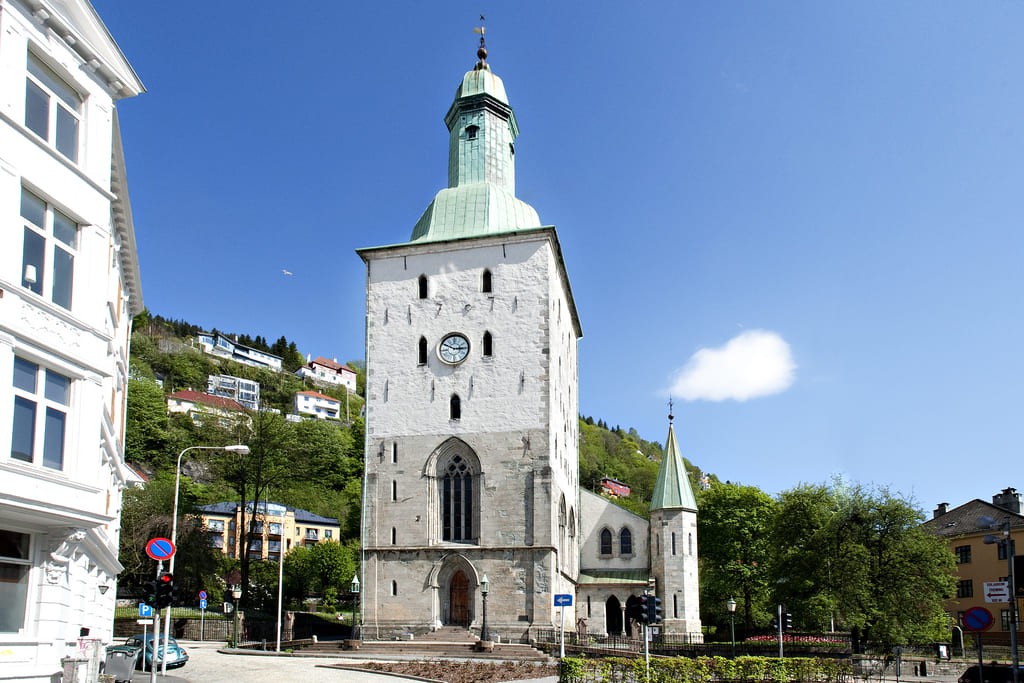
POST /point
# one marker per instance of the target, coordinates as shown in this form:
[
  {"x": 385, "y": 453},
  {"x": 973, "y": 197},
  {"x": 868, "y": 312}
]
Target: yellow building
[
  {"x": 277, "y": 526},
  {"x": 965, "y": 529}
]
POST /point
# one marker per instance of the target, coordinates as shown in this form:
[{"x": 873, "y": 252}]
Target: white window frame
[
  {"x": 62, "y": 99},
  {"x": 42, "y": 404},
  {"x": 39, "y": 278}
]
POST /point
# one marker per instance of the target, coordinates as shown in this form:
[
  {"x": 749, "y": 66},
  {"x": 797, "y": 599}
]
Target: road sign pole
[
  {"x": 561, "y": 647},
  {"x": 156, "y": 633}
]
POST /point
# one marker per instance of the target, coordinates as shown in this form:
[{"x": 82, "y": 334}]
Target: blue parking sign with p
[{"x": 145, "y": 610}]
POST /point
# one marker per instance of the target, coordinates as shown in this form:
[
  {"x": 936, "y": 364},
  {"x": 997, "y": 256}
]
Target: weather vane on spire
[{"x": 481, "y": 52}]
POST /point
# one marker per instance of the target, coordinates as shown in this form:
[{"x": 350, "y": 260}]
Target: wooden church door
[{"x": 459, "y": 599}]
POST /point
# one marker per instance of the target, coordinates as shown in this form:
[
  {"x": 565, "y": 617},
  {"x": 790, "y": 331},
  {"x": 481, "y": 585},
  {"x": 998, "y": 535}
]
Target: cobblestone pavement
[{"x": 207, "y": 665}]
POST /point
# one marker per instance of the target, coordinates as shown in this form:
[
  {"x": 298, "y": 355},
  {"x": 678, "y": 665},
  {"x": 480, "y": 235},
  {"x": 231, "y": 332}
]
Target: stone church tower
[{"x": 471, "y": 403}]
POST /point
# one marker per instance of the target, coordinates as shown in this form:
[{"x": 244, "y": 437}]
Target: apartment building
[{"x": 278, "y": 527}]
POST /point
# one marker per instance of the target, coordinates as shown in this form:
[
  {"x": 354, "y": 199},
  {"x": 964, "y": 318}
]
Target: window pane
[
  {"x": 57, "y": 387},
  {"x": 67, "y": 134},
  {"x": 53, "y": 440},
  {"x": 54, "y": 82},
  {"x": 13, "y": 545},
  {"x": 63, "y": 275},
  {"x": 24, "y": 429},
  {"x": 13, "y": 596},
  {"x": 37, "y": 110},
  {"x": 65, "y": 229},
  {"x": 32, "y": 261},
  {"x": 33, "y": 208},
  {"x": 25, "y": 375}
]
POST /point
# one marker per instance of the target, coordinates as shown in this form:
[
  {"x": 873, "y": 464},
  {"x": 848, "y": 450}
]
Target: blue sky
[{"x": 801, "y": 219}]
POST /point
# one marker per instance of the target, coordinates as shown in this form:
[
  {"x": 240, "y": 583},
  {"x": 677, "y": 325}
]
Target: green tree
[
  {"x": 146, "y": 438},
  {"x": 862, "y": 556},
  {"x": 734, "y": 526}
]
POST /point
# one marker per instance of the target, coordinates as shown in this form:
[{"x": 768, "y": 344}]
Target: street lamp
[
  {"x": 484, "y": 589},
  {"x": 355, "y": 599},
  {"x": 241, "y": 449},
  {"x": 1009, "y": 547},
  {"x": 236, "y": 593},
  {"x": 730, "y": 605}
]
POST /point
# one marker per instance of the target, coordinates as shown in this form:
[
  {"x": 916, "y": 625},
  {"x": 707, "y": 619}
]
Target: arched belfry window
[
  {"x": 488, "y": 345},
  {"x": 486, "y": 284},
  {"x": 423, "y": 286},
  {"x": 458, "y": 502},
  {"x": 625, "y": 542},
  {"x": 562, "y": 555},
  {"x": 471, "y": 132},
  {"x": 455, "y": 407},
  {"x": 422, "y": 353}
]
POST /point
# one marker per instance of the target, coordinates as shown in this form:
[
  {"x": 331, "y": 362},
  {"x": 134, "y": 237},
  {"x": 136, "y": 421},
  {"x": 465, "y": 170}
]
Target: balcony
[{"x": 312, "y": 535}]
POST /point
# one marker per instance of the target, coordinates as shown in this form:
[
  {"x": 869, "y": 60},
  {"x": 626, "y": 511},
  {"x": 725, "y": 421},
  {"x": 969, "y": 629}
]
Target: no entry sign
[{"x": 160, "y": 548}]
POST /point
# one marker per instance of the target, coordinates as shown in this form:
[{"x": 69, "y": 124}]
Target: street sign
[
  {"x": 203, "y": 595},
  {"x": 997, "y": 591},
  {"x": 228, "y": 608},
  {"x": 145, "y": 622},
  {"x": 145, "y": 610},
  {"x": 977, "y": 619},
  {"x": 202, "y": 604},
  {"x": 160, "y": 549},
  {"x": 563, "y": 600}
]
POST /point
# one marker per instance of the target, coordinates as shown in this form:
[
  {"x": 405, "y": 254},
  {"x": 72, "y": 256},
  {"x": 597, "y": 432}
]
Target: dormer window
[{"x": 471, "y": 132}]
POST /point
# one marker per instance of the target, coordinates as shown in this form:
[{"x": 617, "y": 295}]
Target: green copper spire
[
  {"x": 480, "y": 197},
  {"x": 672, "y": 490}
]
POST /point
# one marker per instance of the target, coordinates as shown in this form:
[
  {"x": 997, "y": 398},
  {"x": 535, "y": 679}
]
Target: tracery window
[
  {"x": 606, "y": 542},
  {"x": 625, "y": 542},
  {"x": 457, "y": 502}
]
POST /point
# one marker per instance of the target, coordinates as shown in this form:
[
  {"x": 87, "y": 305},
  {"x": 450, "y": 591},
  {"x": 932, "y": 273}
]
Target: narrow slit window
[
  {"x": 486, "y": 282},
  {"x": 422, "y": 286},
  {"x": 455, "y": 407},
  {"x": 394, "y": 453},
  {"x": 394, "y": 588},
  {"x": 422, "y": 355},
  {"x": 394, "y": 490},
  {"x": 488, "y": 344},
  {"x": 394, "y": 535}
]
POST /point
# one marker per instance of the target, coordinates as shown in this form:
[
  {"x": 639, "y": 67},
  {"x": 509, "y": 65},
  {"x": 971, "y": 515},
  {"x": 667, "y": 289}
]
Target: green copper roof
[
  {"x": 473, "y": 210},
  {"x": 480, "y": 197},
  {"x": 672, "y": 489}
]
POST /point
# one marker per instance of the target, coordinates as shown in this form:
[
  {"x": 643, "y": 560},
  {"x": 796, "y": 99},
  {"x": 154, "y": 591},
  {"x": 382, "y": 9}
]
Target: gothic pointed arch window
[
  {"x": 458, "y": 476},
  {"x": 562, "y": 519},
  {"x": 625, "y": 542},
  {"x": 455, "y": 407},
  {"x": 606, "y": 542}
]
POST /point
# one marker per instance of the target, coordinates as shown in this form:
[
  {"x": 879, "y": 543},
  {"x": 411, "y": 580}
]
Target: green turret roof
[
  {"x": 672, "y": 490},
  {"x": 480, "y": 198}
]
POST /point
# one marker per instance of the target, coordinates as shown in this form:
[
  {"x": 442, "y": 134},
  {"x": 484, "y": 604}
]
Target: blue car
[{"x": 176, "y": 655}]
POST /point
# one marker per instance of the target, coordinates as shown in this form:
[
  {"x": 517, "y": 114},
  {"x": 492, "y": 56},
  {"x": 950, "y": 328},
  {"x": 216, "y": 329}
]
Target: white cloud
[{"x": 752, "y": 364}]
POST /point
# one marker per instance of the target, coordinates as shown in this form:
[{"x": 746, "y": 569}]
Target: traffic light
[
  {"x": 149, "y": 595},
  {"x": 775, "y": 623},
  {"x": 644, "y": 611},
  {"x": 653, "y": 609},
  {"x": 164, "y": 590},
  {"x": 787, "y": 621}
]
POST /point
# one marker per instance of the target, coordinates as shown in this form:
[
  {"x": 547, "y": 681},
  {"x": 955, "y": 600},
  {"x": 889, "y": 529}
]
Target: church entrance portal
[{"x": 458, "y": 599}]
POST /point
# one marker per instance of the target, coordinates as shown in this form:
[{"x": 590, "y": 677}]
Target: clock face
[{"x": 453, "y": 349}]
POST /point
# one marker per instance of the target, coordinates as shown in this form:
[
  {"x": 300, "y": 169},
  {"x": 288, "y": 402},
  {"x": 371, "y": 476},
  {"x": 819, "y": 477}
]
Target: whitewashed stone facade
[
  {"x": 472, "y": 431},
  {"x": 69, "y": 286}
]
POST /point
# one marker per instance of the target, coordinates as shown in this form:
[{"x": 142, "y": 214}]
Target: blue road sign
[
  {"x": 977, "y": 619},
  {"x": 563, "y": 600},
  {"x": 203, "y": 595},
  {"x": 202, "y": 604},
  {"x": 145, "y": 610}
]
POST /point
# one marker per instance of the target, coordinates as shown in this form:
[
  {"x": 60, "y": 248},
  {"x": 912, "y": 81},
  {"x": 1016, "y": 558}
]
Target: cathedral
[{"x": 472, "y": 436}]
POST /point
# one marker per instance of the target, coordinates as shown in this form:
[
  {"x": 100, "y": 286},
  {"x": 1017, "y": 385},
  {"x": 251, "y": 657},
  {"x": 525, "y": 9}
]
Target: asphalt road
[{"x": 207, "y": 665}]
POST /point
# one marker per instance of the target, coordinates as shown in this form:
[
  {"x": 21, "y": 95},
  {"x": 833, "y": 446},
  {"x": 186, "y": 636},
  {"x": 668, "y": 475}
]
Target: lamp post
[
  {"x": 355, "y": 599},
  {"x": 730, "y": 605},
  {"x": 236, "y": 593},
  {"x": 235, "y": 448},
  {"x": 1009, "y": 547},
  {"x": 485, "y": 588}
]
